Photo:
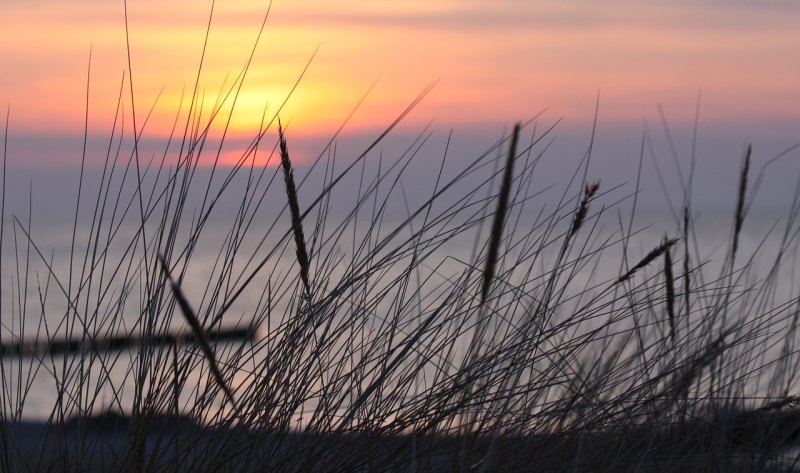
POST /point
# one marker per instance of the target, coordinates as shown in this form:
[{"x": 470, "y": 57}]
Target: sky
[{"x": 733, "y": 66}]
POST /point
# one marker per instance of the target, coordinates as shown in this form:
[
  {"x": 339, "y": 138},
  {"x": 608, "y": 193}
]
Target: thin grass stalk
[
  {"x": 200, "y": 335},
  {"x": 3, "y": 395},
  {"x": 294, "y": 210},
  {"x": 740, "y": 200},
  {"x": 649, "y": 258},
  {"x": 670, "y": 287},
  {"x": 499, "y": 217},
  {"x": 788, "y": 401},
  {"x": 687, "y": 283},
  {"x": 583, "y": 209}
]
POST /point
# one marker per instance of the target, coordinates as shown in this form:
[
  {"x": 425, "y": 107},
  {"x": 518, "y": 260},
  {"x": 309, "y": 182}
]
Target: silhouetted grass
[{"x": 390, "y": 348}]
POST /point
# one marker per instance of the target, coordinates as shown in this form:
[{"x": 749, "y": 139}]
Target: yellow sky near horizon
[{"x": 496, "y": 62}]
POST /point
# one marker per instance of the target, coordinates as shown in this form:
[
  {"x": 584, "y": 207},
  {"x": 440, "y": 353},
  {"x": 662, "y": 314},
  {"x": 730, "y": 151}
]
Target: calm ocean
[{"x": 38, "y": 282}]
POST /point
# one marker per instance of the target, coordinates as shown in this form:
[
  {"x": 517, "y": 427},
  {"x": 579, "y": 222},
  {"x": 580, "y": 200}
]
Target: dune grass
[{"x": 381, "y": 347}]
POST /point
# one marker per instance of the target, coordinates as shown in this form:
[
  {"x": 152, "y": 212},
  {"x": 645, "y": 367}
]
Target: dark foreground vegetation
[
  {"x": 480, "y": 327},
  {"x": 755, "y": 441},
  {"x": 382, "y": 351}
]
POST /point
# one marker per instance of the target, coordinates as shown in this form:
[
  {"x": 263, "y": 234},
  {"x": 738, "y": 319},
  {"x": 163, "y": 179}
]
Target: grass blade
[
  {"x": 740, "y": 202},
  {"x": 649, "y": 257},
  {"x": 200, "y": 335},
  {"x": 294, "y": 209},
  {"x": 670, "y": 283},
  {"x": 499, "y": 217}
]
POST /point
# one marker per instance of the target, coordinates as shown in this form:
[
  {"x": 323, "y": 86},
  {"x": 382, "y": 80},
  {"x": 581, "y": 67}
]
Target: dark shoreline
[{"x": 750, "y": 441}]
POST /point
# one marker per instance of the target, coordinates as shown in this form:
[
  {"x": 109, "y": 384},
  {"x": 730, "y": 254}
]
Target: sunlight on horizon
[{"x": 495, "y": 64}]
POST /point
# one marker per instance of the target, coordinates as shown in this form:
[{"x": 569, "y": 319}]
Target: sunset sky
[{"x": 496, "y": 62}]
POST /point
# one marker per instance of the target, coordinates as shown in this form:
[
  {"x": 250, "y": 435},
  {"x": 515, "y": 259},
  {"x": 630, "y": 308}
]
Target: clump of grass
[{"x": 560, "y": 366}]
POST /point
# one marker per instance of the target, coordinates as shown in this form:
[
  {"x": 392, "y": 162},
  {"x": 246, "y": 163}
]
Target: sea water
[{"x": 47, "y": 291}]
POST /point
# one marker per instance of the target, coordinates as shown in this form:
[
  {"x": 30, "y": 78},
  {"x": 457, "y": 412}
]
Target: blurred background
[{"x": 725, "y": 72}]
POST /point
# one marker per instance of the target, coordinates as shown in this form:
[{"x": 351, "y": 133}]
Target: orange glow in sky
[{"x": 496, "y": 62}]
